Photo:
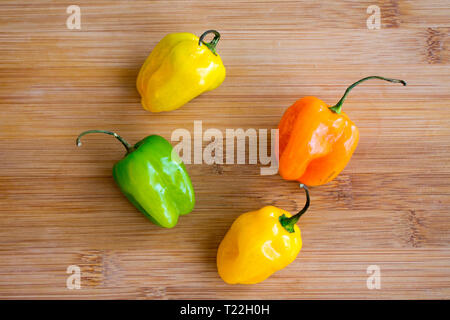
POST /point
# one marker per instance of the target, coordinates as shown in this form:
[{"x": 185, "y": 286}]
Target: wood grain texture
[{"x": 59, "y": 205}]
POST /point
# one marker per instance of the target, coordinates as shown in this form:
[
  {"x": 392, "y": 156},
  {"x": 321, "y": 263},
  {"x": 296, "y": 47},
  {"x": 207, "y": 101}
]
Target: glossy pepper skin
[
  {"x": 154, "y": 179},
  {"x": 179, "y": 68},
  {"x": 316, "y": 141},
  {"x": 258, "y": 244}
]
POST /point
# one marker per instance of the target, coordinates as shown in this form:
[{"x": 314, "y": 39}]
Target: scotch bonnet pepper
[
  {"x": 179, "y": 68},
  {"x": 316, "y": 141},
  {"x": 153, "y": 178},
  {"x": 260, "y": 243}
]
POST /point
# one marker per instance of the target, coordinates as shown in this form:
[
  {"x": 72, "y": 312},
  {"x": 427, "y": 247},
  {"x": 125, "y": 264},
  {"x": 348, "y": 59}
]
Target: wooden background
[{"x": 59, "y": 205}]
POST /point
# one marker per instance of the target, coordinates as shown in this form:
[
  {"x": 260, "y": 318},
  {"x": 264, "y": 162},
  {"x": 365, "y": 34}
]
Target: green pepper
[{"x": 153, "y": 178}]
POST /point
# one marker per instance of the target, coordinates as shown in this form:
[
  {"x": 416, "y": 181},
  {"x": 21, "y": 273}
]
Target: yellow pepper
[
  {"x": 179, "y": 68},
  {"x": 260, "y": 243}
]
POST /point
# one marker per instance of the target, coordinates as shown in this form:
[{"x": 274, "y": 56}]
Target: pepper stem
[
  {"x": 122, "y": 140},
  {"x": 211, "y": 45},
  {"x": 338, "y": 106},
  {"x": 289, "y": 223}
]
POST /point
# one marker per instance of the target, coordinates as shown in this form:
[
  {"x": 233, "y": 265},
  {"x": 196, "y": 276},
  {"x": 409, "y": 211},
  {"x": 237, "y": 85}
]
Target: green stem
[
  {"x": 338, "y": 106},
  {"x": 211, "y": 45},
  {"x": 289, "y": 223},
  {"x": 122, "y": 140}
]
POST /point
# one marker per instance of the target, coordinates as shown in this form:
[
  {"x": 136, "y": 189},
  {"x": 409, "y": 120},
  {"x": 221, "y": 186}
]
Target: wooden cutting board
[{"x": 60, "y": 207}]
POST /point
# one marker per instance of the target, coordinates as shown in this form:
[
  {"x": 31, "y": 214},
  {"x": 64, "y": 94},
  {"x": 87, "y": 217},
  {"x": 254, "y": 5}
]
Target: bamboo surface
[{"x": 59, "y": 205}]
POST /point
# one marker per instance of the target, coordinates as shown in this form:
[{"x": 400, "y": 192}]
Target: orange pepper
[{"x": 316, "y": 141}]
